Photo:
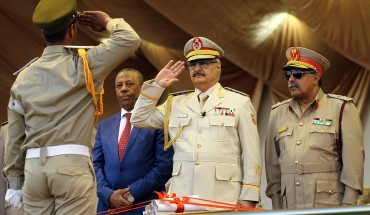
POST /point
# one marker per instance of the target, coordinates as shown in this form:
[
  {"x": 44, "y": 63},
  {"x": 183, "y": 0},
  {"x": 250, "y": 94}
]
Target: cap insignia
[
  {"x": 294, "y": 54},
  {"x": 197, "y": 44}
]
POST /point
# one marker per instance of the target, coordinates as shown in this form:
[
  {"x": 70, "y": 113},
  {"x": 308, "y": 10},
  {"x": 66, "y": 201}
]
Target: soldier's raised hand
[
  {"x": 168, "y": 75},
  {"x": 96, "y": 20}
]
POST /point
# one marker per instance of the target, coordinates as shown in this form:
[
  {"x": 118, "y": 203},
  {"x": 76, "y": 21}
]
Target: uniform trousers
[{"x": 63, "y": 184}]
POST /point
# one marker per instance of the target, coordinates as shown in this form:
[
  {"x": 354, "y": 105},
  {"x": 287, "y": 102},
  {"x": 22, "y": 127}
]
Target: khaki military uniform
[
  {"x": 303, "y": 163},
  {"x": 217, "y": 154},
  {"x": 5, "y": 208},
  {"x": 55, "y": 108}
]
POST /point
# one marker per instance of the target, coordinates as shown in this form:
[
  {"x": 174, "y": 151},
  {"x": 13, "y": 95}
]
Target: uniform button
[
  {"x": 298, "y": 184},
  {"x": 301, "y": 123},
  {"x": 322, "y": 131},
  {"x": 199, "y": 131},
  {"x": 222, "y": 124},
  {"x": 296, "y": 162},
  {"x": 197, "y": 163},
  {"x": 198, "y": 145},
  {"x": 298, "y": 142},
  {"x": 330, "y": 191}
]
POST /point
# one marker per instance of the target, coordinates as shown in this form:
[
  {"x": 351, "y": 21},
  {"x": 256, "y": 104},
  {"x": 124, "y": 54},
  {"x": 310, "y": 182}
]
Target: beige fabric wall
[{"x": 253, "y": 33}]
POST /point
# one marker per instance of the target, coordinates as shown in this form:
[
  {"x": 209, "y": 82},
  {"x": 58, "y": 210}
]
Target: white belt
[{"x": 68, "y": 149}]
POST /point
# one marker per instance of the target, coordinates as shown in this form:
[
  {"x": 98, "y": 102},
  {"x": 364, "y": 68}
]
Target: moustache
[
  {"x": 198, "y": 73},
  {"x": 294, "y": 84}
]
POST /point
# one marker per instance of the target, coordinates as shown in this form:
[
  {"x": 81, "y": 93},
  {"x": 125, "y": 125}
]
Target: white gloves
[{"x": 14, "y": 198}]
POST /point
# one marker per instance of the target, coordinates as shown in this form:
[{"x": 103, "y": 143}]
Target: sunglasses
[
  {"x": 297, "y": 73},
  {"x": 202, "y": 63}
]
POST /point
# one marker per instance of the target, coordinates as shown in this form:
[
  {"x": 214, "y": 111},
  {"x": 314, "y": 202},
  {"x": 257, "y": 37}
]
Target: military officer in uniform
[
  {"x": 213, "y": 129},
  {"x": 5, "y": 209},
  {"x": 314, "y": 148},
  {"x": 51, "y": 111}
]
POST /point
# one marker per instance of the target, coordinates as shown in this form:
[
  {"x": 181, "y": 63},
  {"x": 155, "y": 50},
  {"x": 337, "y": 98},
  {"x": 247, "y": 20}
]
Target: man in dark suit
[{"x": 129, "y": 162}]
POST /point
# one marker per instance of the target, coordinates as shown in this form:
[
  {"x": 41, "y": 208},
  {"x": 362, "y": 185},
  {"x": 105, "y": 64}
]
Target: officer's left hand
[
  {"x": 247, "y": 203},
  {"x": 14, "y": 197}
]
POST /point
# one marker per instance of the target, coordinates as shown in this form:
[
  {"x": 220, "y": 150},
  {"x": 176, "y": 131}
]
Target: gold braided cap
[{"x": 202, "y": 48}]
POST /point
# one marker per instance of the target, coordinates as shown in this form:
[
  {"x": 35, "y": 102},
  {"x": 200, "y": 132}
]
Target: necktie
[
  {"x": 123, "y": 140},
  {"x": 202, "y": 99}
]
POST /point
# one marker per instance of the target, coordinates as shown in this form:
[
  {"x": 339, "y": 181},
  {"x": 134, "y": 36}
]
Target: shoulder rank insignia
[
  {"x": 25, "y": 66},
  {"x": 182, "y": 92},
  {"x": 280, "y": 103},
  {"x": 4, "y": 123},
  {"x": 281, "y": 130},
  {"x": 235, "y": 91},
  {"x": 344, "y": 98},
  {"x": 253, "y": 119},
  {"x": 258, "y": 170}
]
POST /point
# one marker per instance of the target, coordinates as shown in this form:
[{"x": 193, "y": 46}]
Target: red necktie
[{"x": 123, "y": 140}]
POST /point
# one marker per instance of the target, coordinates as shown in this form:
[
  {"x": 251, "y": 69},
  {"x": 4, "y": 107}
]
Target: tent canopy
[{"x": 254, "y": 35}]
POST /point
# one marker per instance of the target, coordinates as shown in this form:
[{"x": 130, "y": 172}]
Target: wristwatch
[{"x": 130, "y": 198}]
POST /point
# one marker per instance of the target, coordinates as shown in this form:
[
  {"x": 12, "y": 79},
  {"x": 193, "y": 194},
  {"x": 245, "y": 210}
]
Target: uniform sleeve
[
  {"x": 124, "y": 41},
  {"x": 273, "y": 174},
  {"x": 146, "y": 114},
  {"x": 352, "y": 154},
  {"x": 252, "y": 156},
  {"x": 14, "y": 158}
]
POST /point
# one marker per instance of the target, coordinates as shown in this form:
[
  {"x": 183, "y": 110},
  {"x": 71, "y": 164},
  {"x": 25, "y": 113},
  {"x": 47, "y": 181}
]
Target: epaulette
[
  {"x": 344, "y": 98},
  {"x": 281, "y": 103},
  {"x": 4, "y": 123},
  {"x": 235, "y": 91},
  {"x": 25, "y": 66},
  {"x": 182, "y": 92}
]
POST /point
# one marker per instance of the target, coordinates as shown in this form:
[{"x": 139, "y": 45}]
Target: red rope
[
  {"x": 125, "y": 209},
  {"x": 216, "y": 204}
]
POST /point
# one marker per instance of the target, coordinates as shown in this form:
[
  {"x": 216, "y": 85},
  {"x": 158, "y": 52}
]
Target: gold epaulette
[
  {"x": 344, "y": 98},
  {"x": 4, "y": 123},
  {"x": 25, "y": 66},
  {"x": 235, "y": 91},
  {"x": 181, "y": 92},
  {"x": 280, "y": 103}
]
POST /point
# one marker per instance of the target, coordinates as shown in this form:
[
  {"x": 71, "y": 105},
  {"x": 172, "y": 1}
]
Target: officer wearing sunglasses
[{"x": 314, "y": 148}]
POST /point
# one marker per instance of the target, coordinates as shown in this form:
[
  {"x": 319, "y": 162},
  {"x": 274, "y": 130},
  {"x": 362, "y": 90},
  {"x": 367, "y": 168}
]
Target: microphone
[{"x": 203, "y": 114}]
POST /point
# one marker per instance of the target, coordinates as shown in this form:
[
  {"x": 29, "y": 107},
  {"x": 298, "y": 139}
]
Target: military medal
[
  {"x": 222, "y": 111},
  {"x": 319, "y": 121}
]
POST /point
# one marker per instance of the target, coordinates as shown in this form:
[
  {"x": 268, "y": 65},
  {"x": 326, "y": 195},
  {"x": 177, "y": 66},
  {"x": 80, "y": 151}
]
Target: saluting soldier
[
  {"x": 51, "y": 111},
  {"x": 213, "y": 129},
  {"x": 314, "y": 148}
]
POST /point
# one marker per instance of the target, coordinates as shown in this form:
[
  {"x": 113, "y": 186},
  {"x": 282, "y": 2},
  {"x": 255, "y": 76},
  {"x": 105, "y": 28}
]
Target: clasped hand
[{"x": 119, "y": 198}]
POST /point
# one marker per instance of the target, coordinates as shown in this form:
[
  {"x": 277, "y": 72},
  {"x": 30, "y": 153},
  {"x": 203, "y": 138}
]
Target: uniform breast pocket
[
  {"x": 220, "y": 126},
  {"x": 322, "y": 137},
  {"x": 284, "y": 139},
  {"x": 175, "y": 124}
]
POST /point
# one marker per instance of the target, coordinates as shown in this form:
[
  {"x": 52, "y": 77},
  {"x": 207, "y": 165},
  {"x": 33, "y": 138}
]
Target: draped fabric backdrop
[{"x": 253, "y": 33}]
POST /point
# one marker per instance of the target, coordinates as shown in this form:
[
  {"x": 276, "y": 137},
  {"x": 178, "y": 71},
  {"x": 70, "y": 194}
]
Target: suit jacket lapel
[
  {"x": 214, "y": 99},
  {"x": 134, "y": 132},
  {"x": 193, "y": 103},
  {"x": 114, "y": 137}
]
